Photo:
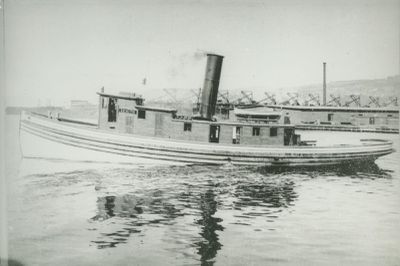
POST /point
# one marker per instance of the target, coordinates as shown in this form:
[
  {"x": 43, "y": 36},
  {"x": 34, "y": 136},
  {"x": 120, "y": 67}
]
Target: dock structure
[
  {"x": 324, "y": 86},
  {"x": 362, "y": 117}
]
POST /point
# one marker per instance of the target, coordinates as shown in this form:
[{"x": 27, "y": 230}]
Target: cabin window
[
  {"x": 372, "y": 120},
  {"x": 390, "y": 116},
  {"x": 187, "y": 126},
  {"x": 256, "y": 131},
  {"x": 103, "y": 103},
  {"x": 330, "y": 117},
  {"x": 112, "y": 110},
  {"x": 273, "y": 132},
  {"x": 360, "y": 114},
  {"x": 286, "y": 120},
  {"x": 142, "y": 114}
]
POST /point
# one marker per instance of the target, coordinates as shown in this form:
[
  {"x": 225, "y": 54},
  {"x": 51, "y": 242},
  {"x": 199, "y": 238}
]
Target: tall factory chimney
[
  {"x": 324, "y": 86},
  {"x": 210, "y": 87}
]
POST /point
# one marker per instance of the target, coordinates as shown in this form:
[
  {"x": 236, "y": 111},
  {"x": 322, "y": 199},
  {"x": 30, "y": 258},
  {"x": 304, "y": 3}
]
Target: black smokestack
[{"x": 210, "y": 87}]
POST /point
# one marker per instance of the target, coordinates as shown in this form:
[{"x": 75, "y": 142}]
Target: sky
[{"x": 57, "y": 51}]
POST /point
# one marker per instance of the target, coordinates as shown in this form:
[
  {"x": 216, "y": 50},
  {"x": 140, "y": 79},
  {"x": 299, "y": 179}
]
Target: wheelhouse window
[
  {"x": 139, "y": 101},
  {"x": 142, "y": 114},
  {"x": 187, "y": 126},
  {"x": 112, "y": 110},
  {"x": 273, "y": 132},
  {"x": 256, "y": 131}
]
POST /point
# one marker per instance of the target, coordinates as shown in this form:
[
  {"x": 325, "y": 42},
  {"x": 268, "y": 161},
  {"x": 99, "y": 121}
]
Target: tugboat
[{"x": 128, "y": 131}]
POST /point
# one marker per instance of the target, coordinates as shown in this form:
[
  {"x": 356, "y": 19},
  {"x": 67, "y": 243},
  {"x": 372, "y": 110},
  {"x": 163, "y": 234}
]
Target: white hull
[
  {"x": 35, "y": 147},
  {"x": 46, "y": 138},
  {"x": 326, "y": 138}
]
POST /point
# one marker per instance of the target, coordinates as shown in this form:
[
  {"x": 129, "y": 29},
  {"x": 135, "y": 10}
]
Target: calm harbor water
[{"x": 69, "y": 213}]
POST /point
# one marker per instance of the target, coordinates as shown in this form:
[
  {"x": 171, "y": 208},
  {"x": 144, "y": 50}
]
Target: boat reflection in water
[
  {"x": 209, "y": 245},
  {"x": 190, "y": 209},
  {"x": 191, "y": 205}
]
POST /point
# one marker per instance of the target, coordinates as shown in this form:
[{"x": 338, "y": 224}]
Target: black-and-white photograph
[{"x": 199, "y": 132}]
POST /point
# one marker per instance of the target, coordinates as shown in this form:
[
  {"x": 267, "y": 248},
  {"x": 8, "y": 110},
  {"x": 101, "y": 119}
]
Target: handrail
[
  {"x": 345, "y": 128},
  {"x": 61, "y": 119}
]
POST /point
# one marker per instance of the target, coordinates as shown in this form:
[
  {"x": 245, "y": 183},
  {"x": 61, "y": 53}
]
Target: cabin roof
[
  {"x": 336, "y": 108},
  {"x": 236, "y": 123},
  {"x": 156, "y": 109},
  {"x": 247, "y": 112},
  {"x": 119, "y": 96}
]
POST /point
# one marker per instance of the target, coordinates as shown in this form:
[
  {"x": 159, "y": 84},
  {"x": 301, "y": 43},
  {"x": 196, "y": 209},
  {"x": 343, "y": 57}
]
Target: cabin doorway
[
  {"x": 214, "y": 134},
  {"x": 112, "y": 110},
  {"x": 288, "y": 135},
  {"x": 236, "y": 135},
  {"x": 158, "y": 125},
  {"x": 129, "y": 124}
]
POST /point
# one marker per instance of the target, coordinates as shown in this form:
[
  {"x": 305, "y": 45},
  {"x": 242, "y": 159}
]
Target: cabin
[{"x": 127, "y": 114}]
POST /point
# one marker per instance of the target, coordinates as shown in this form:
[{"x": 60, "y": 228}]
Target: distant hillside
[
  {"x": 381, "y": 88},
  {"x": 372, "y": 87}
]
